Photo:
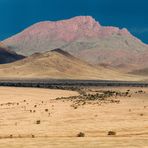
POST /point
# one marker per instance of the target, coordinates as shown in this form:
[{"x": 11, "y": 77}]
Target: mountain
[
  {"x": 57, "y": 64},
  {"x": 84, "y": 38},
  {"x": 7, "y": 56},
  {"x": 143, "y": 72}
]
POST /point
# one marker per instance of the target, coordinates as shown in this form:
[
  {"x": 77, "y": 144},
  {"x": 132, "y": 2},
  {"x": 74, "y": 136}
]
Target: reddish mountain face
[
  {"x": 70, "y": 30},
  {"x": 7, "y": 56},
  {"x": 85, "y": 38}
]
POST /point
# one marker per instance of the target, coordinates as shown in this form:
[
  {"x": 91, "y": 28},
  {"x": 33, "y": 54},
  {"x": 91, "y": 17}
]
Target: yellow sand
[{"x": 60, "y": 124}]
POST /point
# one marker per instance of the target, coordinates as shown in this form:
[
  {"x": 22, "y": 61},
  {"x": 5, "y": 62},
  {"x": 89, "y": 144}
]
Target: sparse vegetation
[
  {"x": 140, "y": 92},
  {"x": 101, "y": 96}
]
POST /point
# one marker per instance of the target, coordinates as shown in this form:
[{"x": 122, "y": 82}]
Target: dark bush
[
  {"x": 113, "y": 133},
  {"x": 46, "y": 110},
  {"x": 80, "y": 134},
  {"x": 38, "y": 122}
]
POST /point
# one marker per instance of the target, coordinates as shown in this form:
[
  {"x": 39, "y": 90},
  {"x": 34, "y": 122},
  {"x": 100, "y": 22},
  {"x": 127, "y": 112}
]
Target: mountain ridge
[
  {"x": 74, "y": 25},
  {"x": 59, "y": 65},
  {"x": 84, "y": 38}
]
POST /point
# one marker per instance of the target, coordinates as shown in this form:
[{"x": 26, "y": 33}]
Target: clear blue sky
[{"x": 16, "y": 15}]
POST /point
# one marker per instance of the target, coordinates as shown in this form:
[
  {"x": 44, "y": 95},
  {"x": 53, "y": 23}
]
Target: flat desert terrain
[{"x": 48, "y": 118}]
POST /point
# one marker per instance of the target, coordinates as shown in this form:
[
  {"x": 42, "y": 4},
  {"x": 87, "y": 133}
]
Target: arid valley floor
[{"x": 49, "y": 118}]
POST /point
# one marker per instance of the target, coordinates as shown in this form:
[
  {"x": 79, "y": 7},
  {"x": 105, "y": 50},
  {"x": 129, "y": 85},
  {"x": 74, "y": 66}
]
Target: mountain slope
[
  {"x": 7, "y": 56},
  {"x": 57, "y": 64},
  {"x": 84, "y": 38},
  {"x": 143, "y": 72}
]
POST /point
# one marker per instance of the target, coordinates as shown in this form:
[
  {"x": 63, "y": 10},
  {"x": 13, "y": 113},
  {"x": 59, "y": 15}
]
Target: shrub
[
  {"x": 46, "y": 110},
  {"x": 38, "y": 122},
  {"x": 113, "y": 133},
  {"x": 75, "y": 107},
  {"x": 80, "y": 134}
]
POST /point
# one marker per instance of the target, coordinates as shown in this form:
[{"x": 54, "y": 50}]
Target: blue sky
[{"x": 16, "y": 15}]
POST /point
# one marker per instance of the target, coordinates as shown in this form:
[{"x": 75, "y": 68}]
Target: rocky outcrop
[{"x": 7, "y": 56}]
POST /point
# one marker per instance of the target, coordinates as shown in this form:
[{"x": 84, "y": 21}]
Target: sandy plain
[{"x": 33, "y": 118}]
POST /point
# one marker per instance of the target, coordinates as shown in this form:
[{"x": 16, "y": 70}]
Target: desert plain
[{"x": 54, "y": 118}]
